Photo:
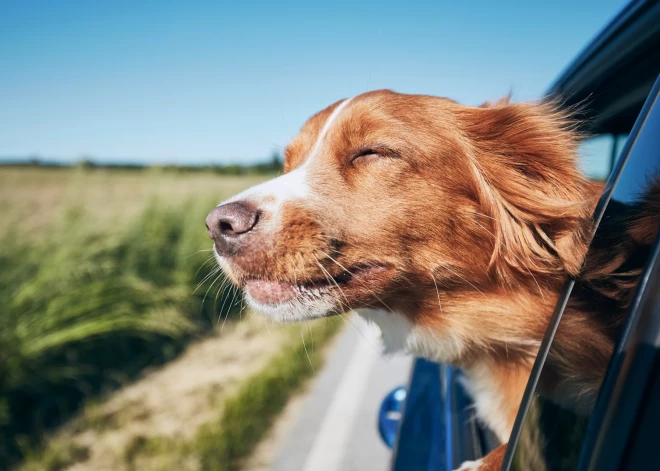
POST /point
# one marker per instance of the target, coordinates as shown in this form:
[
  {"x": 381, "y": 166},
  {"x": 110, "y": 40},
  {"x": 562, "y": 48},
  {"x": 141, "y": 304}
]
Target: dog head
[{"x": 408, "y": 203}]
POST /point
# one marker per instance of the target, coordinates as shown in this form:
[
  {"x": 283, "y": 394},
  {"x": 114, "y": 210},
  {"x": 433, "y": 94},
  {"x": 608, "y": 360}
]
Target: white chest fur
[{"x": 400, "y": 335}]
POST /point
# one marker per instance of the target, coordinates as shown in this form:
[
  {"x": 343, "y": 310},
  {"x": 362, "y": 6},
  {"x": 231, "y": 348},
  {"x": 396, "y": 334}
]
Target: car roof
[{"x": 612, "y": 76}]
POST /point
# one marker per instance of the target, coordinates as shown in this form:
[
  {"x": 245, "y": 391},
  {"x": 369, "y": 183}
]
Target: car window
[
  {"x": 620, "y": 141},
  {"x": 598, "y": 154},
  {"x": 563, "y": 398}
]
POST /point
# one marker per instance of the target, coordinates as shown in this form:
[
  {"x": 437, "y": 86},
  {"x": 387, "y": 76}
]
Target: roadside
[
  {"x": 191, "y": 413},
  {"x": 244, "y": 400}
]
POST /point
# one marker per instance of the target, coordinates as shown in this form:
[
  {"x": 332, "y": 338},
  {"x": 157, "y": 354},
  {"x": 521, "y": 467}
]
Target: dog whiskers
[
  {"x": 206, "y": 278},
  {"x": 233, "y": 290},
  {"x": 196, "y": 252},
  {"x": 330, "y": 279},
  {"x": 364, "y": 285},
  {"x": 221, "y": 289},
  {"x": 209, "y": 288},
  {"x": 302, "y": 336},
  {"x": 211, "y": 258},
  {"x": 311, "y": 335}
]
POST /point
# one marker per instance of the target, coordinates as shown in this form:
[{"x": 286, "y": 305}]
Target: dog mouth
[{"x": 276, "y": 292}]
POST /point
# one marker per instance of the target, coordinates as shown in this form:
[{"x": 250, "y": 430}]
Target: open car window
[
  {"x": 555, "y": 414},
  {"x": 598, "y": 154}
]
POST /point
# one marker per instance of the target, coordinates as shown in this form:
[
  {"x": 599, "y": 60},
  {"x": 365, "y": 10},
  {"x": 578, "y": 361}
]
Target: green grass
[
  {"x": 243, "y": 419},
  {"x": 58, "y": 458},
  {"x": 249, "y": 413},
  {"x": 95, "y": 286},
  {"x": 98, "y": 271}
]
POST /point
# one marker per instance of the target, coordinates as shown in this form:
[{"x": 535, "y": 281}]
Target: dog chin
[{"x": 295, "y": 310}]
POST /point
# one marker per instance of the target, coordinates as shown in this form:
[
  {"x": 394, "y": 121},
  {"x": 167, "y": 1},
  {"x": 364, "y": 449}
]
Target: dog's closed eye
[{"x": 372, "y": 154}]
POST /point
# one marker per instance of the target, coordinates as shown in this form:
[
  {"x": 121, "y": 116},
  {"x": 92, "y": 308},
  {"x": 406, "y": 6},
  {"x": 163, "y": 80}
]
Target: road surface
[{"x": 336, "y": 429}]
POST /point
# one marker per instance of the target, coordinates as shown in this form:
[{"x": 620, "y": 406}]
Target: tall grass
[
  {"x": 247, "y": 416},
  {"x": 84, "y": 309}
]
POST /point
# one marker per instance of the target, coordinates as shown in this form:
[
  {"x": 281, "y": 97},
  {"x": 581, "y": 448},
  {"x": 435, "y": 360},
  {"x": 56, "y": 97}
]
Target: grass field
[
  {"x": 98, "y": 270},
  {"x": 205, "y": 411}
]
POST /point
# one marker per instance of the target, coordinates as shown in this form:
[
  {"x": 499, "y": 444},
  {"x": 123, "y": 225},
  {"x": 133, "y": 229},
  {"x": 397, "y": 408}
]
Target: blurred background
[{"x": 121, "y": 125}]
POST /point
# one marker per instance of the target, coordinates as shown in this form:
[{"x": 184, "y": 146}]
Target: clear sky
[{"x": 220, "y": 81}]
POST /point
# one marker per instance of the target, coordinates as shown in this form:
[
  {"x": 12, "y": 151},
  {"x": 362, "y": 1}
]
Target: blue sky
[{"x": 194, "y": 82}]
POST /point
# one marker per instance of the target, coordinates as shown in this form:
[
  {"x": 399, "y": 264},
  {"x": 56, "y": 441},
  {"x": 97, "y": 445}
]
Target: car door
[
  {"x": 439, "y": 430},
  {"x": 554, "y": 433}
]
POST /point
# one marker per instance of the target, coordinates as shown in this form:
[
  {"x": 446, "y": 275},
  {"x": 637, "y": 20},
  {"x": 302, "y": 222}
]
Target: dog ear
[{"x": 524, "y": 160}]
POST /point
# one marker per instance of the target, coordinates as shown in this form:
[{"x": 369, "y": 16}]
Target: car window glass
[
  {"x": 596, "y": 155},
  {"x": 620, "y": 141},
  {"x": 556, "y": 422}
]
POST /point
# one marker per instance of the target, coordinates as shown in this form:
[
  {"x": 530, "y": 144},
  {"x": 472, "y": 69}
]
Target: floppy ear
[{"x": 524, "y": 160}]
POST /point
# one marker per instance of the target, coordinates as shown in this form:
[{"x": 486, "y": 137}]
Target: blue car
[{"x": 430, "y": 423}]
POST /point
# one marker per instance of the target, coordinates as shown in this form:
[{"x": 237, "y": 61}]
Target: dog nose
[{"x": 227, "y": 223}]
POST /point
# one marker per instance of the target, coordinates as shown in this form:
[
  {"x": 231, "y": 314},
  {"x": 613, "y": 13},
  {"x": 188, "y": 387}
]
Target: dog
[{"x": 451, "y": 227}]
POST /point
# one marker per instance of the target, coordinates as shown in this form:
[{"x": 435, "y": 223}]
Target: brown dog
[{"x": 451, "y": 227}]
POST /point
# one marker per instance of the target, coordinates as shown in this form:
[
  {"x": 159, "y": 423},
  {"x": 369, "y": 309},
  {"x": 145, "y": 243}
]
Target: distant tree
[
  {"x": 85, "y": 162},
  {"x": 34, "y": 159},
  {"x": 276, "y": 160}
]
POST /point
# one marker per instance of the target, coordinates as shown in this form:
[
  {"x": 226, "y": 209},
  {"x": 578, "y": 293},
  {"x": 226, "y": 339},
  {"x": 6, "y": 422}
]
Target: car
[{"x": 615, "y": 85}]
